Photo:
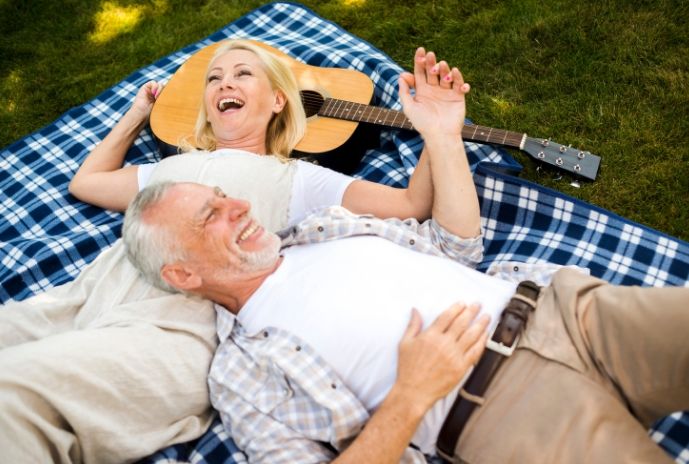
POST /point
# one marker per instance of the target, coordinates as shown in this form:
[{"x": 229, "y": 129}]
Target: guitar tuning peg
[{"x": 545, "y": 142}]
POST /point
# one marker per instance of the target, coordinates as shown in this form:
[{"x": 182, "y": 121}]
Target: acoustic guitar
[{"x": 336, "y": 100}]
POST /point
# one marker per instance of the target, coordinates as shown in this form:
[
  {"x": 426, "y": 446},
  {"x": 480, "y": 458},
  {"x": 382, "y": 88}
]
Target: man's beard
[
  {"x": 253, "y": 261},
  {"x": 249, "y": 262}
]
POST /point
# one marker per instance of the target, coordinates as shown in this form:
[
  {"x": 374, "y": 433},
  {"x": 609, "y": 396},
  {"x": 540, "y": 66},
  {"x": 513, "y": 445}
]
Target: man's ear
[
  {"x": 280, "y": 101},
  {"x": 180, "y": 277}
]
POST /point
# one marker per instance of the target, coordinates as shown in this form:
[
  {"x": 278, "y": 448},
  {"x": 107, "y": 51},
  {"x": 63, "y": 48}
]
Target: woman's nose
[{"x": 227, "y": 82}]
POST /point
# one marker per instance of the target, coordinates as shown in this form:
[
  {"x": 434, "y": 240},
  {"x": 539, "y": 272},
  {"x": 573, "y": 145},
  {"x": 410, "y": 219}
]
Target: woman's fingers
[
  {"x": 445, "y": 76},
  {"x": 432, "y": 69}
]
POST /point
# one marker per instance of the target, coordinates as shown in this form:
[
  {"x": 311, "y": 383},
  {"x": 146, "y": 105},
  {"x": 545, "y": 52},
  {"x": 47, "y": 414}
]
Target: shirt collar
[{"x": 224, "y": 322}]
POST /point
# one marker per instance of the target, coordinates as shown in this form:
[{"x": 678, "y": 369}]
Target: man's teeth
[
  {"x": 247, "y": 232},
  {"x": 228, "y": 103}
]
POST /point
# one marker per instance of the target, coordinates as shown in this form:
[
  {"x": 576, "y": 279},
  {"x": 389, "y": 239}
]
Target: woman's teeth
[{"x": 228, "y": 103}]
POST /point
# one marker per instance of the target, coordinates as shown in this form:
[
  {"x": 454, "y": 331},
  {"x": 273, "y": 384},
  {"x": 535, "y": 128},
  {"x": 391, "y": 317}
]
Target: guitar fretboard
[{"x": 342, "y": 109}]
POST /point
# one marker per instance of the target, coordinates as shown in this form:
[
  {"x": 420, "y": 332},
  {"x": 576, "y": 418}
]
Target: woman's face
[{"x": 240, "y": 101}]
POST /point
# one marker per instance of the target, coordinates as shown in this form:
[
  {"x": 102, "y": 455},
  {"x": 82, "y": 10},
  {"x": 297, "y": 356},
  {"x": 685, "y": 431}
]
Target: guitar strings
[{"x": 312, "y": 99}]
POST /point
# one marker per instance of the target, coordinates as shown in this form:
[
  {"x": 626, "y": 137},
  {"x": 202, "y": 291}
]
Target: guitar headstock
[{"x": 572, "y": 160}]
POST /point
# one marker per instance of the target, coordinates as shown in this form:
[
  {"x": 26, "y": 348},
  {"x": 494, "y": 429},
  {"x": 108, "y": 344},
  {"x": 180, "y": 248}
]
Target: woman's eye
[
  {"x": 243, "y": 72},
  {"x": 213, "y": 78}
]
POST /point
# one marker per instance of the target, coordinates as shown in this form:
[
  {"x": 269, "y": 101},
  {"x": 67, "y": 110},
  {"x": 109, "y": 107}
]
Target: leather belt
[{"x": 500, "y": 346}]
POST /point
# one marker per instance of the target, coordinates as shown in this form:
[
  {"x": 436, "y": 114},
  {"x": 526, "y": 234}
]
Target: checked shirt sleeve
[
  {"x": 427, "y": 237},
  {"x": 468, "y": 251},
  {"x": 279, "y": 401}
]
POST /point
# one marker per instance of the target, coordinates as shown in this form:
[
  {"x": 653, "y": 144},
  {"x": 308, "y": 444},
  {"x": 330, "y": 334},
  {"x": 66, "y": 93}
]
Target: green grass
[{"x": 611, "y": 77}]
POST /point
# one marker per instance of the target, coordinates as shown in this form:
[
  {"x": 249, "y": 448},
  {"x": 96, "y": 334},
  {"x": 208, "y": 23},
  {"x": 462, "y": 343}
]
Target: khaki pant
[
  {"x": 103, "y": 370},
  {"x": 597, "y": 366}
]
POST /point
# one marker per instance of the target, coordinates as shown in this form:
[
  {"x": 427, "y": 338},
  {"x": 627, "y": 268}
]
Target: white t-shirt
[
  {"x": 314, "y": 187},
  {"x": 355, "y": 319}
]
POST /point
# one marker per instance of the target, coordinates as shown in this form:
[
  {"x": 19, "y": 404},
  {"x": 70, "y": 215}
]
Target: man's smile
[{"x": 250, "y": 229}]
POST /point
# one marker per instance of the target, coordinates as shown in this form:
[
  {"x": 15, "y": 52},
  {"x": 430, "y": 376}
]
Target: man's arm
[
  {"x": 431, "y": 363},
  {"x": 437, "y": 111}
]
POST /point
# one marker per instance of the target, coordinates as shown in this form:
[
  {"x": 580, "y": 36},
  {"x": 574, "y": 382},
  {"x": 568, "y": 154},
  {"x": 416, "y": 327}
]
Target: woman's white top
[{"x": 281, "y": 193}]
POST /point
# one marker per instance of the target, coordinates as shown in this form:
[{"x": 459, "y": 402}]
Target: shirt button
[
  {"x": 298, "y": 348},
  {"x": 411, "y": 242},
  {"x": 515, "y": 268},
  {"x": 368, "y": 224},
  {"x": 333, "y": 386},
  {"x": 265, "y": 334},
  {"x": 320, "y": 228}
]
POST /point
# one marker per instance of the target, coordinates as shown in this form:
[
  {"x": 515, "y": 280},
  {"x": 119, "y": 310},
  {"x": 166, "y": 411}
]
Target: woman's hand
[
  {"x": 438, "y": 104},
  {"x": 145, "y": 98}
]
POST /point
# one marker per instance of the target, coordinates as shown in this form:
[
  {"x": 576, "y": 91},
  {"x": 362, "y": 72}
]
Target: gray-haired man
[{"x": 310, "y": 322}]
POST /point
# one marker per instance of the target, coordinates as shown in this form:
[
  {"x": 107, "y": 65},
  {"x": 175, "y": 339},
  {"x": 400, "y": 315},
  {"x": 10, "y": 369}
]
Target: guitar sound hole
[{"x": 312, "y": 102}]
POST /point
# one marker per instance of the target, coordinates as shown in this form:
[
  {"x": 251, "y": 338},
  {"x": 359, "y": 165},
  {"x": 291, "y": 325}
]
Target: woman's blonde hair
[{"x": 285, "y": 128}]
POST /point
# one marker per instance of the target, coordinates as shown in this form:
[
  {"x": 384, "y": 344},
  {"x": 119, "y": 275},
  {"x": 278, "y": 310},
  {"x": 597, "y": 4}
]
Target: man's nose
[{"x": 237, "y": 208}]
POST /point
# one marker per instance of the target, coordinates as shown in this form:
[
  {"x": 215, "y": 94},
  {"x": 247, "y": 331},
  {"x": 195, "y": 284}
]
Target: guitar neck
[{"x": 342, "y": 109}]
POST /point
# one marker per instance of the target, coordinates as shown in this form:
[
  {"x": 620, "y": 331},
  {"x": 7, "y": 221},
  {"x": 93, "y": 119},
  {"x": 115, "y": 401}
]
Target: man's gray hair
[{"x": 149, "y": 246}]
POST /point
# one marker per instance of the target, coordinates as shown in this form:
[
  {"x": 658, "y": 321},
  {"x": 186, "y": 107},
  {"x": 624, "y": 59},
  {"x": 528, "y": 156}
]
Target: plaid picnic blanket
[{"x": 47, "y": 236}]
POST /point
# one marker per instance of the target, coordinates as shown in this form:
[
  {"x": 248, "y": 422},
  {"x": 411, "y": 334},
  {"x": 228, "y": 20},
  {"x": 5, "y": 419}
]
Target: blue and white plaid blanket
[{"x": 47, "y": 236}]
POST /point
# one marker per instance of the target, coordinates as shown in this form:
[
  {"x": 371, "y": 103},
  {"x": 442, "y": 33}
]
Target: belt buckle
[{"x": 501, "y": 348}]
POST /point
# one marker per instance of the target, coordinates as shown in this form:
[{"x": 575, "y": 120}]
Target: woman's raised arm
[
  {"x": 101, "y": 180},
  {"x": 383, "y": 201}
]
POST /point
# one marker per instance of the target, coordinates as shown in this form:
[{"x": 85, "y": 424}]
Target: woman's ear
[
  {"x": 177, "y": 276},
  {"x": 280, "y": 101}
]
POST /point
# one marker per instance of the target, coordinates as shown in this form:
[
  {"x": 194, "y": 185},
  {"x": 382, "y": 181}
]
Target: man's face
[{"x": 218, "y": 235}]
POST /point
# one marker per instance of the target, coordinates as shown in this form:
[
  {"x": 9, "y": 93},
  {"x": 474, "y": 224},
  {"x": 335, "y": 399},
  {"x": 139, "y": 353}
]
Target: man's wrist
[{"x": 409, "y": 400}]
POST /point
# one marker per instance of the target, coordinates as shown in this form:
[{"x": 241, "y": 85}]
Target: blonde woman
[{"x": 252, "y": 105}]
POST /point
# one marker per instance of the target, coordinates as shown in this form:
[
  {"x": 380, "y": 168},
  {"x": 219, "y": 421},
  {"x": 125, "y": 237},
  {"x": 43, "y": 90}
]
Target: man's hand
[
  {"x": 431, "y": 363},
  {"x": 438, "y": 104}
]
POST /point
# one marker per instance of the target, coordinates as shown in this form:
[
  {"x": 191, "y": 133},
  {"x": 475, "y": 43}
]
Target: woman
[{"x": 251, "y": 103}]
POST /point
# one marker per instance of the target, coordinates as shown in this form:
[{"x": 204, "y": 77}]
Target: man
[{"x": 309, "y": 327}]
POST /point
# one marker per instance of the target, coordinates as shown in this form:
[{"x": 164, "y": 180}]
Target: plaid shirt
[{"x": 278, "y": 399}]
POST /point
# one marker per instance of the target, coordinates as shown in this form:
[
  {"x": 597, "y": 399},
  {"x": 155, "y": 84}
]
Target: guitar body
[{"x": 174, "y": 113}]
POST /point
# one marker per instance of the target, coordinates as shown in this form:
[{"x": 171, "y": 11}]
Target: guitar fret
[
  {"x": 338, "y": 105},
  {"x": 369, "y": 114},
  {"x": 491, "y": 135},
  {"x": 326, "y": 108},
  {"x": 394, "y": 122},
  {"x": 378, "y": 120}
]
